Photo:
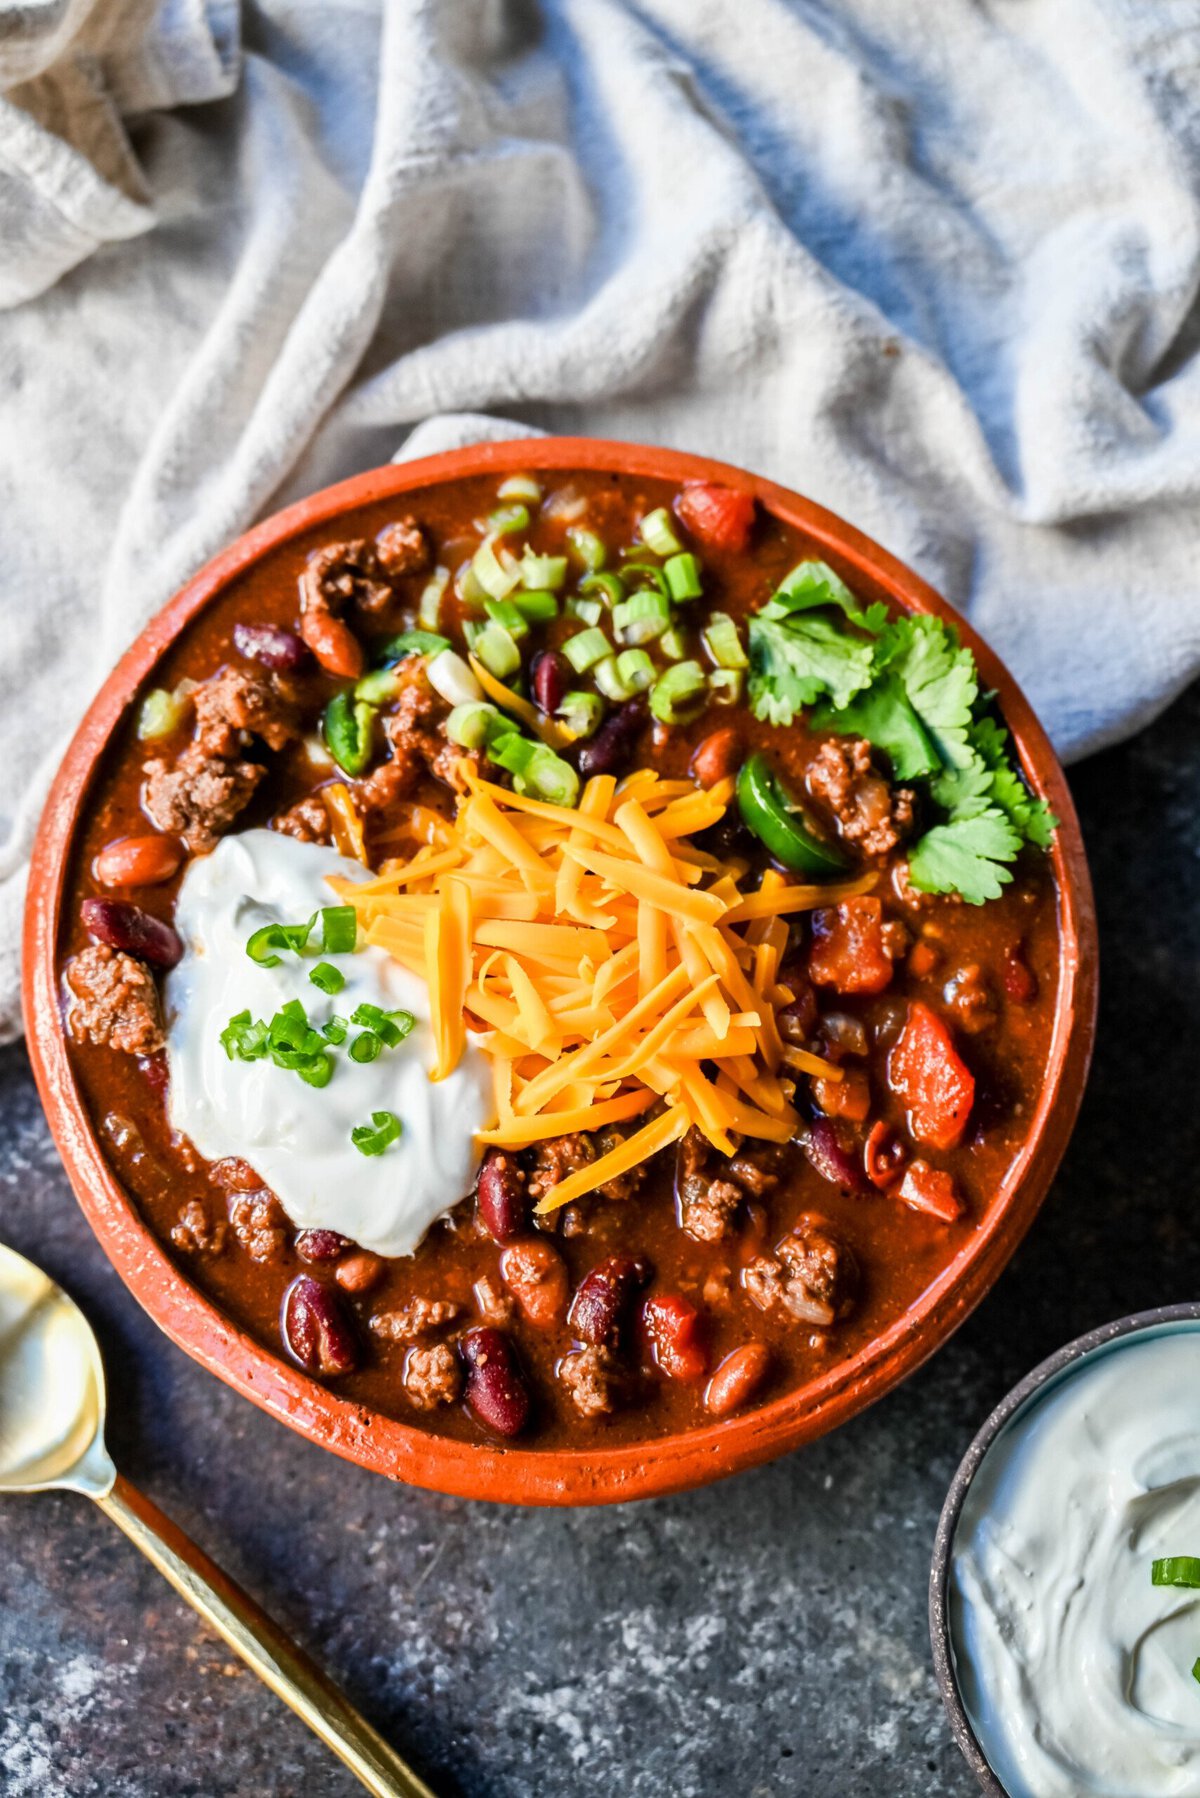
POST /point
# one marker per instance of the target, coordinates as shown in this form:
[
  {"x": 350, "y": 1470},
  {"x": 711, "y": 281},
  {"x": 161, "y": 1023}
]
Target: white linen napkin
[{"x": 936, "y": 267}]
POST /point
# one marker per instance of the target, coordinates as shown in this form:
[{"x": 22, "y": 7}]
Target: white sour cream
[
  {"x": 1077, "y": 1672},
  {"x": 295, "y": 1136}
]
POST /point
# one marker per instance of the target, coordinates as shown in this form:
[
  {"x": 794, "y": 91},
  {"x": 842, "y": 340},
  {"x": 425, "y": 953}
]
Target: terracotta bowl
[{"x": 599, "y": 1475}]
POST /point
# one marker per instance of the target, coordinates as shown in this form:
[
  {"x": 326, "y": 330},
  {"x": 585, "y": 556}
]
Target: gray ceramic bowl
[{"x": 1032, "y": 1386}]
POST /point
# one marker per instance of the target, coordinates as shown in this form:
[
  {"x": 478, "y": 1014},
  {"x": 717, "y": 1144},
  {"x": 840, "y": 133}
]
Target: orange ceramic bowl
[{"x": 518, "y": 1475}]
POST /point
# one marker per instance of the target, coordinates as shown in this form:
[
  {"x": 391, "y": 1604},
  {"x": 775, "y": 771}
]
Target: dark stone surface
[{"x": 764, "y": 1637}]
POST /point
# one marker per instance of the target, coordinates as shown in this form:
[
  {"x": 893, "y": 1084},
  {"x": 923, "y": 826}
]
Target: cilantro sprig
[{"x": 909, "y": 687}]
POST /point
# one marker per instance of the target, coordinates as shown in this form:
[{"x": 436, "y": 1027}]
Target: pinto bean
[
  {"x": 535, "y": 1275},
  {"x": 359, "y": 1272},
  {"x": 320, "y": 1245},
  {"x": 316, "y": 1328},
  {"x": 716, "y": 755},
  {"x": 738, "y": 1378},
  {"x": 496, "y": 1391},
  {"x": 273, "y": 645},
  {"x": 138, "y": 861},
  {"x": 500, "y": 1197},
  {"x": 334, "y": 644},
  {"x": 611, "y": 747},
  {"x": 604, "y": 1295},
  {"x": 550, "y": 676},
  {"x": 125, "y": 926}
]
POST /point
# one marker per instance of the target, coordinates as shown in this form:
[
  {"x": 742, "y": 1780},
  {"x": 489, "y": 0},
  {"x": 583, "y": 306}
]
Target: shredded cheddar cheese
[{"x": 608, "y": 967}]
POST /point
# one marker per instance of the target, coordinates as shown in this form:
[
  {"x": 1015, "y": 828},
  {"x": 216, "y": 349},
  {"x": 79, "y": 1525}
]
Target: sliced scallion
[
  {"x": 587, "y": 547},
  {"x": 373, "y": 1138},
  {"x": 472, "y": 724},
  {"x": 161, "y": 713},
  {"x": 505, "y": 612},
  {"x": 678, "y": 694},
  {"x": 725, "y": 686},
  {"x": 542, "y": 571},
  {"x": 268, "y": 944},
  {"x": 1176, "y": 1570},
  {"x": 673, "y": 643},
  {"x": 468, "y": 587},
  {"x": 547, "y": 777},
  {"x": 610, "y": 587},
  {"x": 327, "y": 977},
  {"x": 657, "y": 533},
  {"x": 497, "y": 572},
  {"x": 586, "y": 649},
  {"x": 607, "y": 677},
  {"x": 339, "y": 929},
  {"x": 408, "y": 643},
  {"x": 538, "y": 607},
  {"x": 430, "y": 604},
  {"x": 682, "y": 574},
  {"x": 720, "y": 638},
  {"x": 366, "y": 1047},
  {"x": 522, "y": 487},
  {"x": 334, "y": 1030},
  {"x": 580, "y": 713},
  {"x": 507, "y": 519},
  {"x": 642, "y": 617},
  {"x": 636, "y": 670},
  {"x": 391, "y": 1027},
  {"x": 589, "y": 611},
  {"x": 646, "y": 574},
  {"x": 497, "y": 651},
  {"x": 244, "y": 1038}
]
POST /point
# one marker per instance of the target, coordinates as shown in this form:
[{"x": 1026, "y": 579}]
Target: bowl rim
[
  {"x": 659, "y": 1465},
  {"x": 1073, "y": 1353}
]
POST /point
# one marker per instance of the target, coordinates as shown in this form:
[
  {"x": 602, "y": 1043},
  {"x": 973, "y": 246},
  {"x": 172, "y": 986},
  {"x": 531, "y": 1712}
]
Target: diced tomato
[
  {"x": 849, "y": 1097},
  {"x": 673, "y": 1332},
  {"x": 930, "y": 1189},
  {"x": 930, "y": 1078},
  {"x": 847, "y": 951},
  {"x": 1020, "y": 982},
  {"x": 719, "y": 517},
  {"x": 884, "y": 1157}
]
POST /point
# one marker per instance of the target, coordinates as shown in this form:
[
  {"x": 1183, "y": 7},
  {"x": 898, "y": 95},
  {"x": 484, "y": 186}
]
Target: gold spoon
[{"x": 52, "y": 1404}]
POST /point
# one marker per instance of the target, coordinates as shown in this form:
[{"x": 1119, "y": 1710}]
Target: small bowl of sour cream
[{"x": 1064, "y": 1614}]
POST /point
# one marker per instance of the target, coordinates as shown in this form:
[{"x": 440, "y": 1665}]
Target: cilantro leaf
[
  {"x": 966, "y": 857},
  {"x": 963, "y": 792},
  {"x": 814, "y": 584},
  {"x": 796, "y": 659},
  {"x": 884, "y": 715},
  {"x": 939, "y": 678}
]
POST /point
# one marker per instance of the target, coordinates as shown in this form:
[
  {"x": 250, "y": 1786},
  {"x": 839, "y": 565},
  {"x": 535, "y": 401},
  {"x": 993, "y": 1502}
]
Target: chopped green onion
[
  {"x": 725, "y": 686},
  {"x": 339, "y": 929},
  {"x": 511, "y": 751},
  {"x": 472, "y": 724},
  {"x": 543, "y": 571},
  {"x": 506, "y": 613},
  {"x": 472, "y": 632},
  {"x": 468, "y": 588},
  {"x": 1196, "y": 1670},
  {"x": 610, "y": 585},
  {"x": 546, "y": 776},
  {"x": 347, "y": 727},
  {"x": 318, "y": 1071},
  {"x": 1176, "y": 1570},
  {"x": 720, "y": 638},
  {"x": 682, "y": 574},
  {"x": 587, "y": 546},
  {"x": 678, "y": 694},
  {"x": 673, "y": 643},
  {"x": 391, "y": 1027},
  {"x": 607, "y": 677},
  {"x": 522, "y": 487},
  {"x": 161, "y": 713},
  {"x": 586, "y": 649},
  {"x": 291, "y": 1040},
  {"x": 289, "y": 938},
  {"x": 334, "y": 1031},
  {"x": 327, "y": 977},
  {"x": 497, "y": 651},
  {"x": 375, "y": 1137},
  {"x": 430, "y": 604},
  {"x": 656, "y": 533},
  {"x": 244, "y": 1038},
  {"x": 635, "y": 669},
  {"x": 649, "y": 573},
  {"x": 589, "y": 611},
  {"x": 452, "y": 679},
  {"x": 366, "y": 1047},
  {"x": 581, "y": 713},
  {"x": 538, "y": 607},
  {"x": 496, "y": 574},
  {"x": 507, "y": 519},
  {"x": 408, "y": 643},
  {"x": 642, "y": 617}
]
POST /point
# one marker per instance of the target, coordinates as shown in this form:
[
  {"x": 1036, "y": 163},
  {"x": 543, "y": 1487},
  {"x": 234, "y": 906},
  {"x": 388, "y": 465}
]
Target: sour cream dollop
[
  {"x": 296, "y": 1137},
  {"x": 1075, "y": 1670}
]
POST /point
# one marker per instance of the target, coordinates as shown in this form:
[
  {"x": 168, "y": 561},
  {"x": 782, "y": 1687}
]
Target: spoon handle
[{"x": 262, "y": 1645}]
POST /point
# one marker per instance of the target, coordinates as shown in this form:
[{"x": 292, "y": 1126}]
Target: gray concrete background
[{"x": 761, "y": 1638}]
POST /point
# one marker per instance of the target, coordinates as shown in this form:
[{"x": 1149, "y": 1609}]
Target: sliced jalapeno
[
  {"x": 347, "y": 728},
  {"x": 776, "y": 820}
]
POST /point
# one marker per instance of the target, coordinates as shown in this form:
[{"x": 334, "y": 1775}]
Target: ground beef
[
  {"x": 235, "y": 706},
  {"x": 813, "y": 1276},
  {"x": 870, "y": 813},
  {"x": 416, "y": 1319},
  {"x": 432, "y": 1376},
  {"x": 401, "y": 548},
  {"x": 307, "y": 821},
  {"x": 446, "y": 766},
  {"x": 494, "y": 1306},
  {"x": 114, "y": 1001},
  {"x": 592, "y": 1379},
  {"x": 752, "y": 1173},
  {"x": 343, "y": 574},
  {"x": 195, "y": 1233},
  {"x": 557, "y": 1157},
  {"x": 707, "y": 1203},
  {"x": 200, "y": 796},
  {"x": 260, "y": 1224}
]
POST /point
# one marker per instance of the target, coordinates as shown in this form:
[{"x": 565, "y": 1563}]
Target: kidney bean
[
  {"x": 613, "y": 744},
  {"x": 716, "y": 755},
  {"x": 829, "y": 1158},
  {"x": 738, "y": 1378},
  {"x": 1020, "y": 982},
  {"x": 550, "y": 675},
  {"x": 604, "y": 1295},
  {"x": 276, "y": 647},
  {"x": 320, "y": 1245},
  {"x": 535, "y": 1275},
  {"x": 359, "y": 1272},
  {"x": 500, "y": 1197},
  {"x": 884, "y": 1157},
  {"x": 125, "y": 926},
  {"x": 138, "y": 861},
  {"x": 673, "y": 1332},
  {"x": 155, "y": 1073},
  {"x": 496, "y": 1391},
  {"x": 316, "y": 1328},
  {"x": 334, "y": 644}
]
